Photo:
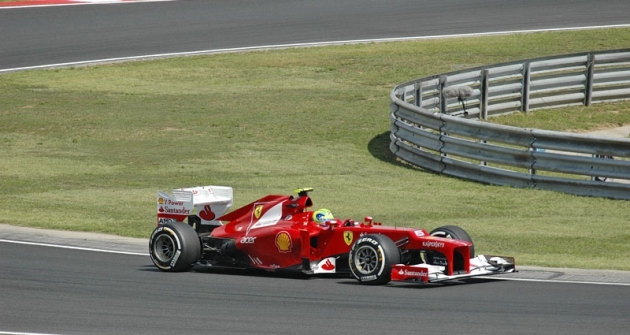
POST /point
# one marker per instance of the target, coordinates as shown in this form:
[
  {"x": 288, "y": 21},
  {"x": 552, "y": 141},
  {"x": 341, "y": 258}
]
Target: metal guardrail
[{"x": 437, "y": 125}]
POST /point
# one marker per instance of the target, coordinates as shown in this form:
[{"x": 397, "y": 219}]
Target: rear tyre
[
  {"x": 371, "y": 258},
  {"x": 455, "y": 233},
  {"x": 174, "y": 247}
]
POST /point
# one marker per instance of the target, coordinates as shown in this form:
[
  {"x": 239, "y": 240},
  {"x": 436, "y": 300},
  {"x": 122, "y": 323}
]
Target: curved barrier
[{"x": 437, "y": 124}]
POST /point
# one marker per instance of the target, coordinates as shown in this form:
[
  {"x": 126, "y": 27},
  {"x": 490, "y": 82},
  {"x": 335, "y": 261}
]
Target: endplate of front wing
[{"x": 481, "y": 265}]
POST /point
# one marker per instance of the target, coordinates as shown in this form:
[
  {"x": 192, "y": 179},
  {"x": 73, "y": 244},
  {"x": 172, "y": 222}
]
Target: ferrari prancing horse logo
[
  {"x": 258, "y": 211},
  {"x": 347, "y": 237}
]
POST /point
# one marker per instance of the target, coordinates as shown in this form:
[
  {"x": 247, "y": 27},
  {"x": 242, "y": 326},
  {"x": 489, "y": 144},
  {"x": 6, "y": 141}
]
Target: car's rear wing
[{"x": 206, "y": 202}]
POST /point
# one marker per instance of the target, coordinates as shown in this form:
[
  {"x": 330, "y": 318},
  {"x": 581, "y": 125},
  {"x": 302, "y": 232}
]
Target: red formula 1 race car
[{"x": 280, "y": 233}]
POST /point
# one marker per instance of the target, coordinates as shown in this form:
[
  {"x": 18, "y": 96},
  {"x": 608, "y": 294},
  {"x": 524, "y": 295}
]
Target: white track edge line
[
  {"x": 76, "y": 4},
  {"x": 74, "y": 248},
  {"x": 554, "y": 281}
]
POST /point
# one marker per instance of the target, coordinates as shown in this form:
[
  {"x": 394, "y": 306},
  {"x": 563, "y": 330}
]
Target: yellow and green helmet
[{"x": 322, "y": 215}]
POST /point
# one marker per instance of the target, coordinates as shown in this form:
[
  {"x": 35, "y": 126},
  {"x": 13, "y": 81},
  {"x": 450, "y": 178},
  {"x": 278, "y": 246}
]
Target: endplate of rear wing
[{"x": 207, "y": 202}]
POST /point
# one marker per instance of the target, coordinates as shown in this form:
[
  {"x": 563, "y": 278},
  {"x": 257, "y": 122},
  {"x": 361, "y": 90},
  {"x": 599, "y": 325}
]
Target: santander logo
[
  {"x": 328, "y": 266},
  {"x": 206, "y": 213},
  {"x": 413, "y": 273}
]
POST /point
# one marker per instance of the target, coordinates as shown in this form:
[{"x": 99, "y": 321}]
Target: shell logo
[
  {"x": 284, "y": 242},
  {"x": 161, "y": 201}
]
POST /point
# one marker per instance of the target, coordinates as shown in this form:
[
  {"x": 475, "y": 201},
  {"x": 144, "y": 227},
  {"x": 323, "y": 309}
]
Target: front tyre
[
  {"x": 455, "y": 233},
  {"x": 174, "y": 247},
  {"x": 371, "y": 258}
]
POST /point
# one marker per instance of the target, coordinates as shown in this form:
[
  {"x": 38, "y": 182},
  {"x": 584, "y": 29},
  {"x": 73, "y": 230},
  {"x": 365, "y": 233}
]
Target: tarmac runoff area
[
  {"x": 93, "y": 242},
  {"x": 613, "y": 132}
]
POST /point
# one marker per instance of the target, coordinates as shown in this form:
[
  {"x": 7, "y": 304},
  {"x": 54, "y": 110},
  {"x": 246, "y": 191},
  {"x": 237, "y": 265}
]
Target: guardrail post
[
  {"x": 443, "y": 102},
  {"x": 418, "y": 93},
  {"x": 403, "y": 95},
  {"x": 590, "y": 70},
  {"x": 526, "y": 81},
  {"x": 483, "y": 107}
]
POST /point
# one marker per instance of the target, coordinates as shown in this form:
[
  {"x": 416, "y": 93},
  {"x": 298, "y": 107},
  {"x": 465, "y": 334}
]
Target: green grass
[
  {"x": 578, "y": 119},
  {"x": 86, "y": 148}
]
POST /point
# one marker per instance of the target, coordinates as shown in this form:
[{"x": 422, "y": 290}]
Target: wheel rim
[
  {"x": 442, "y": 234},
  {"x": 164, "y": 248},
  {"x": 366, "y": 260}
]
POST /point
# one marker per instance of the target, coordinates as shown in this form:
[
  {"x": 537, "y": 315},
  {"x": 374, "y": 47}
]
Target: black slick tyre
[
  {"x": 174, "y": 247},
  {"x": 456, "y": 233},
  {"x": 371, "y": 258}
]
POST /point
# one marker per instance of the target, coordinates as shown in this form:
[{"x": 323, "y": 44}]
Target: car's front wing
[{"x": 479, "y": 266}]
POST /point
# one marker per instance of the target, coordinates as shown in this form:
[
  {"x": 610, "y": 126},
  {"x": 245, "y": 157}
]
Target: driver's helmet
[{"x": 322, "y": 215}]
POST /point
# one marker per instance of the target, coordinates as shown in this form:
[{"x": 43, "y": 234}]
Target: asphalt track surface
[
  {"x": 114, "y": 289},
  {"x": 50, "y": 35},
  {"x": 81, "y": 283}
]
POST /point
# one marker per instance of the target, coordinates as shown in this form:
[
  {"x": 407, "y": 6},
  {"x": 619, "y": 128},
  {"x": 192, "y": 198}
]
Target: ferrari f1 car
[{"x": 280, "y": 233}]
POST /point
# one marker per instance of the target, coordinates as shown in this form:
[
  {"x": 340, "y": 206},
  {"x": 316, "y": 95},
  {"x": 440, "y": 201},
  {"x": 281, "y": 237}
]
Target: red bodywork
[{"x": 277, "y": 232}]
